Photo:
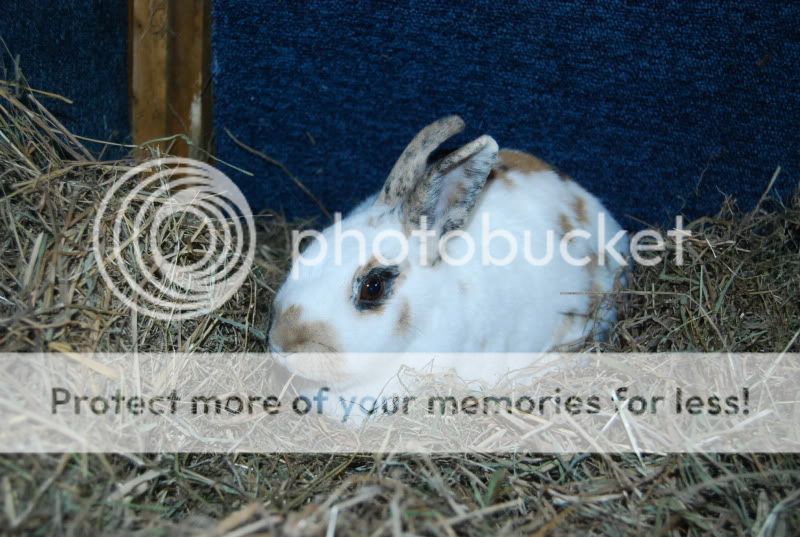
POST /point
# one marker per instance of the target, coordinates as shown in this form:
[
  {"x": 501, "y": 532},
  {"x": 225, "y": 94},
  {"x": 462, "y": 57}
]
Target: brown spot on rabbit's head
[
  {"x": 579, "y": 206},
  {"x": 291, "y": 333}
]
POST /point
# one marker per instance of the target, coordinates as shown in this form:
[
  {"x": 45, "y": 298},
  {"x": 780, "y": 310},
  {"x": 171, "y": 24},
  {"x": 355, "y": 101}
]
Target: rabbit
[{"x": 424, "y": 303}]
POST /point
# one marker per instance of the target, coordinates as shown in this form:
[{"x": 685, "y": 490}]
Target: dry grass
[{"x": 739, "y": 292}]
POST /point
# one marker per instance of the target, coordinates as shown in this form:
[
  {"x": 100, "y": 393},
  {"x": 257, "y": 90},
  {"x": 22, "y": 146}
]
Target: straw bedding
[{"x": 739, "y": 292}]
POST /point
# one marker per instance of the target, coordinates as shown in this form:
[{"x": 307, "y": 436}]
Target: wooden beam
[
  {"x": 148, "y": 48},
  {"x": 190, "y": 91},
  {"x": 170, "y": 77}
]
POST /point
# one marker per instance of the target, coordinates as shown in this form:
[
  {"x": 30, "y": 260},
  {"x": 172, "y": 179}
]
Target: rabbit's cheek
[{"x": 291, "y": 333}]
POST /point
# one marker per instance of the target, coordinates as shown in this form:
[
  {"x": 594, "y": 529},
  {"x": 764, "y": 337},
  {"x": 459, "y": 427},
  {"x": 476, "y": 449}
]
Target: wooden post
[
  {"x": 170, "y": 74},
  {"x": 148, "y": 49},
  {"x": 190, "y": 93}
]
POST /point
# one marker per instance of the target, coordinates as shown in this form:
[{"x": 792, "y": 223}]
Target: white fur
[{"x": 470, "y": 308}]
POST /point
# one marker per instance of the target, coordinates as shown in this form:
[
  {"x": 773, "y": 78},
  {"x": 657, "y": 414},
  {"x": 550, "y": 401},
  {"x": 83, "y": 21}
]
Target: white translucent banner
[{"x": 400, "y": 403}]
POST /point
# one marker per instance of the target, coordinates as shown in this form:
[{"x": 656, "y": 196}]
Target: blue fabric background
[
  {"x": 653, "y": 109},
  {"x": 78, "y": 49},
  {"x": 656, "y": 110}
]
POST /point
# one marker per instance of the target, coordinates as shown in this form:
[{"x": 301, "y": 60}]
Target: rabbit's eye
[{"x": 372, "y": 288}]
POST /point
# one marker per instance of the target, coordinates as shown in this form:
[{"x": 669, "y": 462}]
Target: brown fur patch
[
  {"x": 566, "y": 225},
  {"x": 293, "y": 335},
  {"x": 290, "y": 315},
  {"x": 371, "y": 263},
  {"x": 404, "y": 321},
  {"x": 591, "y": 268},
  {"x": 580, "y": 210},
  {"x": 510, "y": 159},
  {"x": 457, "y": 196},
  {"x": 593, "y": 264}
]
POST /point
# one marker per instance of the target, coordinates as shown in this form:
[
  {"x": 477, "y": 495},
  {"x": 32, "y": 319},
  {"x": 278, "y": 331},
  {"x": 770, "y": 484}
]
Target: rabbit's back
[{"x": 536, "y": 302}]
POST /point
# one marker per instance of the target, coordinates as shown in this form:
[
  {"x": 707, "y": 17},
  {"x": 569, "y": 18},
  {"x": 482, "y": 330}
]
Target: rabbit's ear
[
  {"x": 447, "y": 193},
  {"x": 411, "y": 165}
]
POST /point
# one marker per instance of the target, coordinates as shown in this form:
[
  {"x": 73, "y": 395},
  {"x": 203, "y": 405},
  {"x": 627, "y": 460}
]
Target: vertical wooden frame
[
  {"x": 189, "y": 106},
  {"x": 148, "y": 22},
  {"x": 170, "y": 74}
]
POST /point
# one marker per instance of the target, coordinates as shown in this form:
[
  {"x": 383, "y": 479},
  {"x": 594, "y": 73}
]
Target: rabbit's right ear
[
  {"x": 447, "y": 193},
  {"x": 412, "y": 164}
]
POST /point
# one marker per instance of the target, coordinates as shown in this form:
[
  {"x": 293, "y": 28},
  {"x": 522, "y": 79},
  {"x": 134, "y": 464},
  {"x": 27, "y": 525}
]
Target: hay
[
  {"x": 739, "y": 292},
  {"x": 50, "y": 290}
]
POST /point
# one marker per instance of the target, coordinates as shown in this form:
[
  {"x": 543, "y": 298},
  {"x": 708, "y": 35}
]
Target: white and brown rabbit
[{"x": 472, "y": 292}]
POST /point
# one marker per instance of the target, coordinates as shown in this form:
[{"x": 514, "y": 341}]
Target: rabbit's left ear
[{"x": 447, "y": 192}]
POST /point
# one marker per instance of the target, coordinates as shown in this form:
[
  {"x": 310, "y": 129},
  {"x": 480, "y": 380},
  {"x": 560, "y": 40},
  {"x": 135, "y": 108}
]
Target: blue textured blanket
[
  {"x": 656, "y": 110},
  {"x": 77, "y": 49}
]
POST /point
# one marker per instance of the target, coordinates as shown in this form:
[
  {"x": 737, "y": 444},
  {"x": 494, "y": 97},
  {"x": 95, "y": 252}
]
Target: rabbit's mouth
[{"x": 315, "y": 364}]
